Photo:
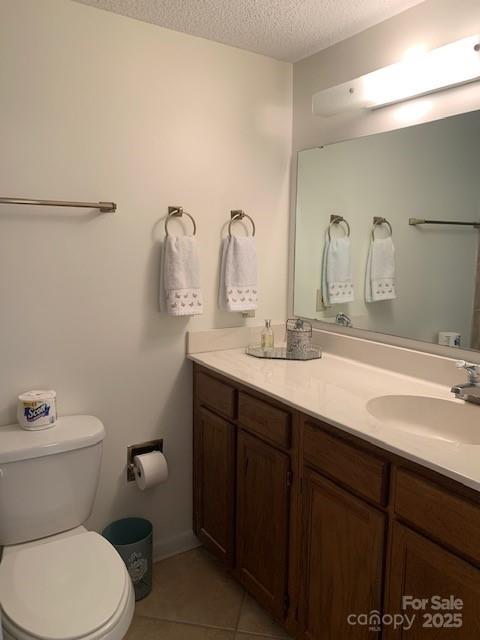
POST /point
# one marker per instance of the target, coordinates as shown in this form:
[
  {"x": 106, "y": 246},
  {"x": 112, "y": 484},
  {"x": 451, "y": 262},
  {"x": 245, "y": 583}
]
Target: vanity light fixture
[{"x": 418, "y": 75}]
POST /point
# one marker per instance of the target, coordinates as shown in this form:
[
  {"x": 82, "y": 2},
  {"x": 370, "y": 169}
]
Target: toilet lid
[{"x": 65, "y": 589}]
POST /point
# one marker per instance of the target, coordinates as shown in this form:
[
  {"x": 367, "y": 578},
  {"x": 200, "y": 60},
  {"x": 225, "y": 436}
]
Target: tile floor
[{"x": 193, "y": 598}]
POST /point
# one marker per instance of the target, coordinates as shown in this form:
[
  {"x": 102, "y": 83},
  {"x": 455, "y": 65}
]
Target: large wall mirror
[{"x": 419, "y": 281}]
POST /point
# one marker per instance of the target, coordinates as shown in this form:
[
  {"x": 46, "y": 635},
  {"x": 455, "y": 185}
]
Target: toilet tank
[{"x": 48, "y": 478}]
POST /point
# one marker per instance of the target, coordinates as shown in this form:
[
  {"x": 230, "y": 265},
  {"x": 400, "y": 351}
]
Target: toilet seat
[{"x": 73, "y": 588}]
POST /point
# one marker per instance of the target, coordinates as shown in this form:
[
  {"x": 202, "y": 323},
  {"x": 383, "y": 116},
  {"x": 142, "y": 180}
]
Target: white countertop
[{"x": 337, "y": 390}]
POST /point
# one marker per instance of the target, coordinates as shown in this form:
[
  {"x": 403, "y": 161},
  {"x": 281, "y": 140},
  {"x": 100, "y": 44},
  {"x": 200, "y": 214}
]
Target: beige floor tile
[
  {"x": 253, "y": 619},
  {"x": 150, "y": 629},
  {"x": 193, "y": 587}
]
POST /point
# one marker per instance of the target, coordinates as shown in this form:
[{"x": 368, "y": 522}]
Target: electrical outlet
[{"x": 327, "y": 312}]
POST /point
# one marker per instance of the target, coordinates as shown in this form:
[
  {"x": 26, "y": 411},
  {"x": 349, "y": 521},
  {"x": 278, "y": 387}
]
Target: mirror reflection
[{"x": 386, "y": 238}]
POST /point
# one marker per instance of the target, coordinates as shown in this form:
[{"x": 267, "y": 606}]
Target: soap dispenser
[{"x": 267, "y": 337}]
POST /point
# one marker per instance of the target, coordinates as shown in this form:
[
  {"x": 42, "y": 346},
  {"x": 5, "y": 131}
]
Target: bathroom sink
[{"x": 436, "y": 418}]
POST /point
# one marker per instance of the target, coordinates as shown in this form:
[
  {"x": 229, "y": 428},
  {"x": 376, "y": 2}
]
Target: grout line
[
  {"x": 239, "y": 634},
  {"x": 244, "y": 597},
  {"x": 212, "y": 626},
  {"x": 185, "y": 622}
]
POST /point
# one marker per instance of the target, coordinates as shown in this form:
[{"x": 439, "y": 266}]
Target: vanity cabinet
[
  {"x": 263, "y": 499},
  {"x": 326, "y": 530},
  {"x": 215, "y": 484},
  {"x": 342, "y": 560},
  {"x": 421, "y": 569},
  {"x": 242, "y": 487}
]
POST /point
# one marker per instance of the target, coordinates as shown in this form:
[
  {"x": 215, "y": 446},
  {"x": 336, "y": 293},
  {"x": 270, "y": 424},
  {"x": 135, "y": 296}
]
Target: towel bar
[
  {"x": 377, "y": 222},
  {"x": 103, "y": 206},
  {"x": 336, "y": 219},
  {"x": 237, "y": 215},
  {"x": 416, "y": 221},
  {"x": 178, "y": 212}
]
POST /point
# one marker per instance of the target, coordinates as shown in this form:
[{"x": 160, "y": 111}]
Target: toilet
[{"x": 58, "y": 581}]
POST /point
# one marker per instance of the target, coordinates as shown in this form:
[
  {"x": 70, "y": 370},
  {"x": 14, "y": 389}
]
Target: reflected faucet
[
  {"x": 343, "y": 320},
  {"x": 470, "y": 391}
]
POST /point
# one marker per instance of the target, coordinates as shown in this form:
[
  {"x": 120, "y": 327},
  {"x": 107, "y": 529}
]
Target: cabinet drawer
[
  {"x": 363, "y": 472},
  {"x": 447, "y": 517},
  {"x": 215, "y": 394},
  {"x": 264, "y": 420}
]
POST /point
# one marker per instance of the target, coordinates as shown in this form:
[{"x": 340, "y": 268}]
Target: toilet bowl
[
  {"x": 68, "y": 587},
  {"x": 58, "y": 581}
]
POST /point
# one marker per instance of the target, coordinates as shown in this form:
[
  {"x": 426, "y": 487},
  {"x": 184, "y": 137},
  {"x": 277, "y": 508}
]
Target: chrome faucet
[
  {"x": 343, "y": 320},
  {"x": 470, "y": 391}
]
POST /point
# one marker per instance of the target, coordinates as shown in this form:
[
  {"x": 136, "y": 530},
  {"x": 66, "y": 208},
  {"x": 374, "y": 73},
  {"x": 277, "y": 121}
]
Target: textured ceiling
[{"x": 284, "y": 29}]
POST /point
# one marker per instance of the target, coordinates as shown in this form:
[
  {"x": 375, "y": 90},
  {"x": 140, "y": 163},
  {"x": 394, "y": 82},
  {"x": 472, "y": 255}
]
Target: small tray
[{"x": 280, "y": 353}]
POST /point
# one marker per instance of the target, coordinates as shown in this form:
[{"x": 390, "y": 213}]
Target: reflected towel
[
  {"x": 337, "y": 285},
  {"x": 180, "y": 293},
  {"x": 380, "y": 274}
]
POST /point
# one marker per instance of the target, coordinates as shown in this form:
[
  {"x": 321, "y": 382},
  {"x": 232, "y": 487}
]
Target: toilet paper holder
[{"x": 137, "y": 450}]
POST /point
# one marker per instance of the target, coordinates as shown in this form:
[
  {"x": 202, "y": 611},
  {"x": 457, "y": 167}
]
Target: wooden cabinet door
[
  {"x": 343, "y": 551},
  {"x": 421, "y": 569},
  {"x": 262, "y": 520},
  {"x": 214, "y": 464}
]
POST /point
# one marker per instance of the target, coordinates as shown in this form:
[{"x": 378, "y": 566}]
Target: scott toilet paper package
[{"x": 37, "y": 409}]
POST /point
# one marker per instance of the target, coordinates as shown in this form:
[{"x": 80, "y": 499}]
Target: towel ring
[
  {"x": 176, "y": 212},
  {"x": 235, "y": 216},
  {"x": 334, "y": 219},
  {"x": 377, "y": 222}
]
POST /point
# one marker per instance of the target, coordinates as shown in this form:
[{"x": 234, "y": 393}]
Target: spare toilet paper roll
[
  {"x": 150, "y": 469},
  {"x": 37, "y": 410}
]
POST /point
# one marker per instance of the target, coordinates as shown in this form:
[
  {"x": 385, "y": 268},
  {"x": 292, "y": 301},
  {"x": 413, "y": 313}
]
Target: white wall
[
  {"x": 426, "y": 171},
  {"x": 97, "y": 106},
  {"x": 430, "y": 24}
]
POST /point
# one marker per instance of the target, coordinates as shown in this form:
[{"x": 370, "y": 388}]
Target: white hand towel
[
  {"x": 180, "y": 293},
  {"x": 238, "y": 289},
  {"x": 380, "y": 273},
  {"x": 337, "y": 284}
]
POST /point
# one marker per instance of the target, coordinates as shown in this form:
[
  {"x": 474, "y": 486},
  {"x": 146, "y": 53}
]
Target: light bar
[{"x": 448, "y": 66}]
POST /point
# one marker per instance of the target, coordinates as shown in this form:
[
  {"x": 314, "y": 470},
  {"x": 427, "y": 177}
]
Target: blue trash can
[{"x": 132, "y": 538}]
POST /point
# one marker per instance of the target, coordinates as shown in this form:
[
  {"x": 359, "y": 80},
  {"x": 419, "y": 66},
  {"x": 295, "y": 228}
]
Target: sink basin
[{"x": 448, "y": 420}]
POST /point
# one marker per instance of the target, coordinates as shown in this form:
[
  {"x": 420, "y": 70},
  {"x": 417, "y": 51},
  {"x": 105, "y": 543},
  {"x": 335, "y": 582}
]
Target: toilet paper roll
[
  {"x": 150, "y": 469},
  {"x": 37, "y": 410}
]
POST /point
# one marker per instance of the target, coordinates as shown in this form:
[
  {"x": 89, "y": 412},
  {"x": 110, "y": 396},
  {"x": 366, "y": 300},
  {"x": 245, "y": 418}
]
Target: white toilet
[{"x": 58, "y": 581}]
